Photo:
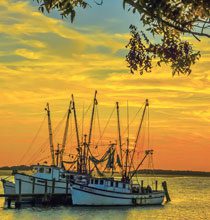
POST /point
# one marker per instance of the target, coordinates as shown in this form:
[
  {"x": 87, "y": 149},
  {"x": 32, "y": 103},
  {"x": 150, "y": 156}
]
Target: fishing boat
[
  {"x": 101, "y": 192},
  {"x": 54, "y": 178},
  {"x": 110, "y": 191},
  {"x": 50, "y": 178}
]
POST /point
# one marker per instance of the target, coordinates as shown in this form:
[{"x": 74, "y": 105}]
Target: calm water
[{"x": 190, "y": 200}]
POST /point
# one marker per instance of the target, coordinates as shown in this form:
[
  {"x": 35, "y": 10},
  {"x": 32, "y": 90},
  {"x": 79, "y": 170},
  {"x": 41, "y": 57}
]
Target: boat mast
[
  {"x": 92, "y": 117},
  {"x": 50, "y": 134},
  {"x": 84, "y": 157},
  {"x": 65, "y": 135},
  {"x": 127, "y": 148},
  {"x": 79, "y": 163},
  {"x": 91, "y": 126},
  {"x": 119, "y": 132},
  {"x": 139, "y": 129}
]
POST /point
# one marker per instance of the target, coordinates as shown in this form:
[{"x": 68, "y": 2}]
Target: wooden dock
[
  {"x": 36, "y": 199},
  {"x": 46, "y": 198}
]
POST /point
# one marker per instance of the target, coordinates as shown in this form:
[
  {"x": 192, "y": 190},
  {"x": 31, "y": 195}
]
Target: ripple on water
[{"x": 190, "y": 201}]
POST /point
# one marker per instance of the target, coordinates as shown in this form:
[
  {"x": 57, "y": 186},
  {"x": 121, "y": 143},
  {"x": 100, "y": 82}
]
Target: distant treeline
[
  {"x": 21, "y": 167},
  {"x": 175, "y": 172},
  {"x": 156, "y": 172}
]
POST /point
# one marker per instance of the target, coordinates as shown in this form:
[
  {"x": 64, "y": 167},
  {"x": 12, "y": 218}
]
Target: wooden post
[
  {"x": 33, "y": 186},
  {"x": 156, "y": 185},
  {"x": 67, "y": 190},
  {"x": 45, "y": 191},
  {"x": 67, "y": 187},
  {"x": 8, "y": 203},
  {"x": 53, "y": 186},
  {"x": 164, "y": 184}
]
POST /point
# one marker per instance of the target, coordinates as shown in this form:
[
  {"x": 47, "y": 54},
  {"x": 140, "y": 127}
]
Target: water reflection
[{"x": 190, "y": 200}]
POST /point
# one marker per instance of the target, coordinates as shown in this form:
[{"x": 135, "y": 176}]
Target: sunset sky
[{"x": 45, "y": 59}]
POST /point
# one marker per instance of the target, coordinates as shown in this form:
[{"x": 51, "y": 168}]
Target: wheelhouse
[{"x": 109, "y": 184}]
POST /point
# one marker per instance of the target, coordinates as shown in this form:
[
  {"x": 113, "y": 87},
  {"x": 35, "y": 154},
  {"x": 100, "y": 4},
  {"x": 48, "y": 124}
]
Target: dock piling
[
  {"x": 156, "y": 185},
  {"x": 53, "y": 186},
  {"x": 45, "y": 191},
  {"x": 164, "y": 185},
  {"x": 33, "y": 186}
]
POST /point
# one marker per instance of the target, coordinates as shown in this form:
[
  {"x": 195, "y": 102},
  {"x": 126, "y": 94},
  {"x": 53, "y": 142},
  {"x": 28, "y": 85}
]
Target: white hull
[
  {"x": 35, "y": 185},
  {"x": 84, "y": 195},
  {"x": 9, "y": 187}
]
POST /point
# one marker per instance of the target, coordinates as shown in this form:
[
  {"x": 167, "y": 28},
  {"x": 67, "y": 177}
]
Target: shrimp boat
[
  {"x": 52, "y": 178},
  {"x": 110, "y": 191},
  {"x": 102, "y": 192},
  {"x": 47, "y": 178}
]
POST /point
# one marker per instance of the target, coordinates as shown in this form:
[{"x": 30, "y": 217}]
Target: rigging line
[
  {"x": 140, "y": 126},
  {"x": 128, "y": 121},
  {"x": 83, "y": 118},
  {"x": 131, "y": 122},
  {"x": 45, "y": 142},
  {"x": 70, "y": 134},
  {"x": 79, "y": 122},
  {"x": 148, "y": 115},
  {"x": 43, "y": 158},
  {"x": 36, "y": 156},
  {"x": 55, "y": 132},
  {"x": 136, "y": 175},
  {"x": 33, "y": 140},
  {"x": 93, "y": 131},
  {"x": 99, "y": 125},
  {"x": 106, "y": 125}
]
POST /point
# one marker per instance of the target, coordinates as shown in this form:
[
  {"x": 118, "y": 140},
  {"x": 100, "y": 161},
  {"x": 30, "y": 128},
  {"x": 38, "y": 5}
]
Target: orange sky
[{"x": 44, "y": 59}]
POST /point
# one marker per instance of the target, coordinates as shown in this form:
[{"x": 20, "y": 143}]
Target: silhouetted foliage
[{"x": 166, "y": 20}]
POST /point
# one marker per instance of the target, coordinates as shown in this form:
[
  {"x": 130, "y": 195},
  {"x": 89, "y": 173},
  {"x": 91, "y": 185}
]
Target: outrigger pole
[
  {"x": 147, "y": 152},
  {"x": 50, "y": 134},
  {"x": 138, "y": 133},
  {"x": 79, "y": 163},
  {"x": 65, "y": 135}
]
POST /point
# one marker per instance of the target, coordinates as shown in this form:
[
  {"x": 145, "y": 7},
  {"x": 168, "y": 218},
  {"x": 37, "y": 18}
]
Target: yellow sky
[{"x": 45, "y": 59}]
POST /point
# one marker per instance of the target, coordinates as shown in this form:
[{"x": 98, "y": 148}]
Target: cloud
[
  {"x": 27, "y": 54},
  {"x": 44, "y": 59}
]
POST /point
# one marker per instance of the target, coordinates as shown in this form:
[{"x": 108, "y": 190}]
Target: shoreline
[{"x": 157, "y": 172}]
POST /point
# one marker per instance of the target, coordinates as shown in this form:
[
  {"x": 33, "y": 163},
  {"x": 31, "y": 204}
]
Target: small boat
[{"x": 110, "y": 191}]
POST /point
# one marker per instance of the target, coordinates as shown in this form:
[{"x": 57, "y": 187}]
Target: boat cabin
[
  {"x": 48, "y": 172},
  {"x": 53, "y": 172},
  {"x": 109, "y": 184}
]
